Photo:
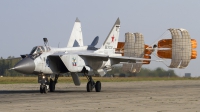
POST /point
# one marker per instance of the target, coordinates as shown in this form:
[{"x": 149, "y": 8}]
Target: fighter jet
[{"x": 46, "y": 61}]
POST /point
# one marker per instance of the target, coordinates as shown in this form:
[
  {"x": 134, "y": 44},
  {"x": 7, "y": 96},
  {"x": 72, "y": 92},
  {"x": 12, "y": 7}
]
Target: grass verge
[{"x": 15, "y": 80}]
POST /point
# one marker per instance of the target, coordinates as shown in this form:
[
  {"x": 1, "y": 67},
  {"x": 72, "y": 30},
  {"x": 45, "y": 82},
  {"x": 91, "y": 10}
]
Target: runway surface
[{"x": 139, "y": 96}]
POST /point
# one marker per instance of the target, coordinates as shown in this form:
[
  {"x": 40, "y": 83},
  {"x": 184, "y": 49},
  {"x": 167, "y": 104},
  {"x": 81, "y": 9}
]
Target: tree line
[
  {"x": 158, "y": 72},
  {"x": 144, "y": 72},
  {"x": 6, "y": 64}
]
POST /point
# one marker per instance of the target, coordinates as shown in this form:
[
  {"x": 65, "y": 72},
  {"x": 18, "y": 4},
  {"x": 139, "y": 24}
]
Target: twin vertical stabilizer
[
  {"x": 76, "y": 38},
  {"x": 112, "y": 38}
]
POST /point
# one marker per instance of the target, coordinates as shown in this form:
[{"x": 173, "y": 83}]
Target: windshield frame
[{"x": 33, "y": 50}]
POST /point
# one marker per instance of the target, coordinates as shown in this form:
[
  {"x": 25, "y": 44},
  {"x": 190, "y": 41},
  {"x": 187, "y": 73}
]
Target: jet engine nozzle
[{"x": 26, "y": 66}]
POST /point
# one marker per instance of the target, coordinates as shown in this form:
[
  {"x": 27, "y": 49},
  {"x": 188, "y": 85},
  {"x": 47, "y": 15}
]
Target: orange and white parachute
[
  {"x": 180, "y": 49},
  {"x": 134, "y": 47}
]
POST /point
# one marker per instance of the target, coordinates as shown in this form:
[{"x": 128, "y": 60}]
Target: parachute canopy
[{"x": 180, "y": 49}]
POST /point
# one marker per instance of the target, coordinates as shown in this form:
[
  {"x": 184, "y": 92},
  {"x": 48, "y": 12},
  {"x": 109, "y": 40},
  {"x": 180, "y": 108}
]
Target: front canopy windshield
[
  {"x": 37, "y": 50},
  {"x": 33, "y": 50}
]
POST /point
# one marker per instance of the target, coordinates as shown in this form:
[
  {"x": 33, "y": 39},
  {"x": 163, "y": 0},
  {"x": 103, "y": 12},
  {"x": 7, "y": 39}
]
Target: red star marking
[{"x": 113, "y": 38}]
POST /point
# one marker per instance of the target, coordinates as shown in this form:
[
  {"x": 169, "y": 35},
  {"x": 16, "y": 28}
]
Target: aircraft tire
[
  {"x": 98, "y": 86},
  {"x": 45, "y": 90},
  {"x": 52, "y": 85},
  {"x": 41, "y": 90},
  {"x": 89, "y": 86}
]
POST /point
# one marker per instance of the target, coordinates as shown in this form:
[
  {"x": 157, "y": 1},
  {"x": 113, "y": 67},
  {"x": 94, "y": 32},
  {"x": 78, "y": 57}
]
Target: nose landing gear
[
  {"x": 44, "y": 84},
  {"x": 47, "y": 85}
]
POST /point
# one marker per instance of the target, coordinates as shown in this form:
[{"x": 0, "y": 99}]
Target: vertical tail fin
[
  {"x": 112, "y": 38},
  {"x": 76, "y": 38}
]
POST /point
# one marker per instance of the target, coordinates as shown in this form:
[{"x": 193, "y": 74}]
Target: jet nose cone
[{"x": 26, "y": 66}]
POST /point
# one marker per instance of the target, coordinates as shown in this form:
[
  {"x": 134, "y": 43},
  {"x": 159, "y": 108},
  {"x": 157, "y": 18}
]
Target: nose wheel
[
  {"x": 91, "y": 85},
  {"x": 43, "y": 89}
]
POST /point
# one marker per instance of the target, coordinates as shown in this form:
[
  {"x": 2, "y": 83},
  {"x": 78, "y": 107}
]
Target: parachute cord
[
  {"x": 164, "y": 60},
  {"x": 156, "y": 40}
]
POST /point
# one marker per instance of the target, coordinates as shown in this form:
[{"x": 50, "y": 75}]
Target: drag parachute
[
  {"x": 180, "y": 49},
  {"x": 134, "y": 47}
]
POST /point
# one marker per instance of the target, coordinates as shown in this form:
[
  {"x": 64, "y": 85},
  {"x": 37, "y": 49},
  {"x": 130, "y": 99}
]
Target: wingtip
[{"x": 77, "y": 20}]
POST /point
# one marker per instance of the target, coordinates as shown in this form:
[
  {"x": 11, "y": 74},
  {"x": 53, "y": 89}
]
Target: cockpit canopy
[{"x": 39, "y": 50}]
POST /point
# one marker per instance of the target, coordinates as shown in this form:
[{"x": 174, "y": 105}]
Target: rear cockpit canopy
[{"x": 39, "y": 50}]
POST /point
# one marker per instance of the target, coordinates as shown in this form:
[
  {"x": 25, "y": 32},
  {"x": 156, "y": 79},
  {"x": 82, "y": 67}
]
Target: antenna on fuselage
[{"x": 58, "y": 44}]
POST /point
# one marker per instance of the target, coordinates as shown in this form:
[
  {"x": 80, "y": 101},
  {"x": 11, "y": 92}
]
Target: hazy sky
[{"x": 23, "y": 23}]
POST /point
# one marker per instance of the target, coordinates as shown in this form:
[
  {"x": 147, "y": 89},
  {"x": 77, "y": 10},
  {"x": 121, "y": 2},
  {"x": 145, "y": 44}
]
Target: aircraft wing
[
  {"x": 104, "y": 57},
  {"x": 89, "y": 56},
  {"x": 125, "y": 59},
  {"x": 114, "y": 59},
  {"x": 131, "y": 58},
  {"x": 57, "y": 54},
  {"x": 80, "y": 54},
  {"x": 93, "y": 55}
]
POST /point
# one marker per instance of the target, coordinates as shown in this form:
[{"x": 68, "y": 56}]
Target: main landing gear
[{"x": 91, "y": 85}]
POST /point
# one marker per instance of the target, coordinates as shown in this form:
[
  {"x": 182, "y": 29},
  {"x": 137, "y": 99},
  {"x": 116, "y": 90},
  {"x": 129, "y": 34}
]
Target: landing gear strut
[
  {"x": 91, "y": 84},
  {"x": 52, "y": 83}
]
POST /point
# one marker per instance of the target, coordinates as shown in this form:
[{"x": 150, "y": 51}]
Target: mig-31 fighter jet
[{"x": 46, "y": 61}]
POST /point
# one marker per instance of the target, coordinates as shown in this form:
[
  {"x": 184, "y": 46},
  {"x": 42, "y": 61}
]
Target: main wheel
[
  {"x": 52, "y": 85},
  {"x": 89, "y": 86},
  {"x": 98, "y": 86}
]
